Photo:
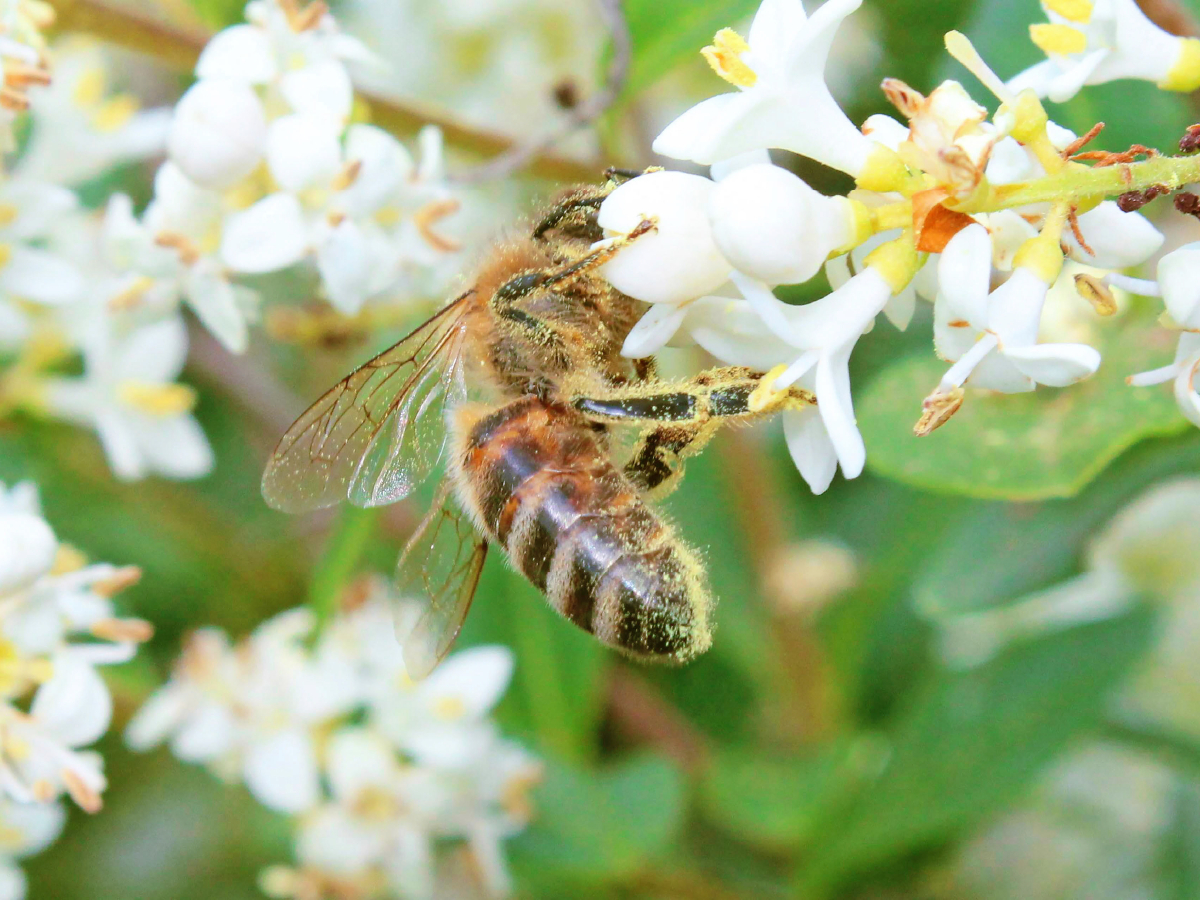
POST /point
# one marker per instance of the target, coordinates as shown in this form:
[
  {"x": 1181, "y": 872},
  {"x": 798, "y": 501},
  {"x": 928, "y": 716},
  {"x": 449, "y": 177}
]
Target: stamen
[
  {"x": 1072, "y": 10},
  {"x": 960, "y": 47},
  {"x": 21, "y": 75},
  {"x": 347, "y": 176},
  {"x": 1057, "y": 40},
  {"x": 122, "y": 578},
  {"x": 122, "y": 631},
  {"x": 132, "y": 296},
  {"x": 189, "y": 254},
  {"x": 937, "y": 410},
  {"x": 89, "y": 800},
  {"x": 767, "y": 392},
  {"x": 431, "y": 212},
  {"x": 300, "y": 20},
  {"x": 1096, "y": 292},
  {"x": 725, "y": 57}
]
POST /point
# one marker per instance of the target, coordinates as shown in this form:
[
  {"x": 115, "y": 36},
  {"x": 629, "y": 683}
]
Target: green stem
[
  {"x": 348, "y": 543},
  {"x": 1181, "y": 751},
  {"x": 1083, "y": 184}
]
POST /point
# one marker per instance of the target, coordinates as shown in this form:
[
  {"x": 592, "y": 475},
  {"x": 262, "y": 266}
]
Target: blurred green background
[{"x": 822, "y": 748}]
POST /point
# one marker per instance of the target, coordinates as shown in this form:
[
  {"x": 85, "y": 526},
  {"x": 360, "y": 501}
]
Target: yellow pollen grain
[
  {"x": 725, "y": 57},
  {"x": 115, "y": 113},
  {"x": 1072, "y": 10},
  {"x": 89, "y": 89},
  {"x": 1058, "y": 40},
  {"x": 157, "y": 399},
  {"x": 449, "y": 708}
]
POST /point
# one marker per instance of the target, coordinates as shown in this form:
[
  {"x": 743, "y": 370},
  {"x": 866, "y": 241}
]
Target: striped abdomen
[{"x": 540, "y": 485}]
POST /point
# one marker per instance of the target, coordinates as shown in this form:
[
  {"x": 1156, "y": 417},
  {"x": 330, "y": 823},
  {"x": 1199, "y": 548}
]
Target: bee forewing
[
  {"x": 437, "y": 573},
  {"x": 379, "y": 432}
]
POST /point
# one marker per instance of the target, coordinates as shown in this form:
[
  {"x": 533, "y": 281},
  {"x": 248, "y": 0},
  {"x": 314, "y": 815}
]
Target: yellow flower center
[
  {"x": 8, "y": 214},
  {"x": 157, "y": 399},
  {"x": 725, "y": 57},
  {"x": 449, "y": 708},
  {"x": 1058, "y": 40},
  {"x": 1072, "y": 10},
  {"x": 89, "y": 89}
]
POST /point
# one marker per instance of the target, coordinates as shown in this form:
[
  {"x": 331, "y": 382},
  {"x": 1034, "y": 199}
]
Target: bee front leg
[{"x": 680, "y": 417}]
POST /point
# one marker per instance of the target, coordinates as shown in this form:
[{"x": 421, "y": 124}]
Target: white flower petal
[
  {"x": 344, "y": 261},
  {"x": 270, "y": 235},
  {"x": 74, "y": 705},
  {"x": 810, "y": 447},
  {"x": 323, "y": 87},
  {"x": 27, "y": 550},
  {"x": 242, "y": 52},
  {"x": 1118, "y": 239},
  {"x": 41, "y": 276},
  {"x": 281, "y": 772},
  {"x": 964, "y": 275},
  {"x": 303, "y": 150},
  {"x": 213, "y": 300},
  {"x": 653, "y": 331},
  {"x": 1179, "y": 278},
  {"x": 469, "y": 683},
  {"x": 1056, "y": 365}
]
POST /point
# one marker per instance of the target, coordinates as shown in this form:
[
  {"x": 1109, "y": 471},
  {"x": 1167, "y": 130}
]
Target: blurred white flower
[
  {"x": 359, "y": 210},
  {"x": 25, "y": 829},
  {"x": 129, "y": 396},
  {"x": 218, "y": 132},
  {"x": 299, "y": 53},
  {"x": 782, "y": 100},
  {"x": 29, "y": 270},
  {"x": 1106, "y": 40},
  {"x": 1184, "y": 372},
  {"x": 80, "y": 129}
]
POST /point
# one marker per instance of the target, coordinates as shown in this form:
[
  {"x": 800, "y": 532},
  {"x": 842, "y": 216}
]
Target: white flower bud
[
  {"x": 218, "y": 132},
  {"x": 1179, "y": 279},
  {"x": 679, "y": 260},
  {"x": 771, "y": 225},
  {"x": 27, "y": 548}
]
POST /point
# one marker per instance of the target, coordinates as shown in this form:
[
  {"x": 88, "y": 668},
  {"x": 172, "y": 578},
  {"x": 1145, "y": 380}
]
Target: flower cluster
[
  {"x": 57, "y": 625},
  {"x": 380, "y": 772},
  {"x": 265, "y": 170},
  {"x": 938, "y": 214}
]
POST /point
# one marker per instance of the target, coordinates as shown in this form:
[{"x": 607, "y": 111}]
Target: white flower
[
  {"x": 29, "y": 270},
  {"x": 169, "y": 256},
  {"x": 1115, "y": 239},
  {"x": 782, "y": 100},
  {"x": 1184, "y": 371},
  {"x": 294, "y": 52},
  {"x": 25, "y": 829},
  {"x": 27, "y": 549},
  {"x": 80, "y": 130},
  {"x": 40, "y": 760},
  {"x": 1091, "y": 43},
  {"x": 773, "y": 227},
  {"x": 992, "y": 337},
  {"x": 218, "y": 132},
  {"x": 342, "y": 206},
  {"x": 949, "y": 137},
  {"x": 129, "y": 396},
  {"x": 678, "y": 260},
  {"x": 1179, "y": 281},
  {"x": 444, "y": 716}
]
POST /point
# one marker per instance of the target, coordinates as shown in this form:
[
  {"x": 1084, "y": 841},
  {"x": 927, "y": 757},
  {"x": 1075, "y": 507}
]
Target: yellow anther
[
  {"x": 115, "y": 113},
  {"x": 67, "y": 559},
  {"x": 1057, "y": 40},
  {"x": 157, "y": 399},
  {"x": 425, "y": 217},
  {"x": 937, "y": 409},
  {"x": 766, "y": 395},
  {"x": 1096, "y": 292},
  {"x": 122, "y": 578},
  {"x": 1185, "y": 74},
  {"x": 960, "y": 47},
  {"x": 132, "y": 296},
  {"x": 89, "y": 89},
  {"x": 388, "y": 216},
  {"x": 1072, "y": 10},
  {"x": 896, "y": 261},
  {"x": 725, "y": 57},
  {"x": 347, "y": 176}
]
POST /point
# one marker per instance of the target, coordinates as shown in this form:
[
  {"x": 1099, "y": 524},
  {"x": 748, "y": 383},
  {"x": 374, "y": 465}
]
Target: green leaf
[
  {"x": 774, "y": 802},
  {"x": 667, "y": 32},
  {"x": 971, "y": 741},
  {"x": 1181, "y": 851},
  {"x": 600, "y": 826},
  {"x": 972, "y": 566},
  {"x": 1047, "y": 443}
]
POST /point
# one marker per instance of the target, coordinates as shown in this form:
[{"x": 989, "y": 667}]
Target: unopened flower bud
[
  {"x": 218, "y": 132},
  {"x": 677, "y": 261},
  {"x": 771, "y": 225}
]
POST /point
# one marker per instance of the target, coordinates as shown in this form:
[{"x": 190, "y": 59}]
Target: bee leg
[
  {"x": 684, "y": 415},
  {"x": 577, "y": 209}
]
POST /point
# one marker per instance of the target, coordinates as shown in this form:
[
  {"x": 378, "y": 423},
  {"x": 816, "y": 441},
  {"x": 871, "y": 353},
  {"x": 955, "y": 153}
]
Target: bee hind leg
[{"x": 680, "y": 417}]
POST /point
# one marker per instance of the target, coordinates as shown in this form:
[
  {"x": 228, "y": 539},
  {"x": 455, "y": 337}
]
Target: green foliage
[
  {"x": 1048, "y": 443},
  {"x": 990, "y": 731},
  {"x": 600, "y": 827}
]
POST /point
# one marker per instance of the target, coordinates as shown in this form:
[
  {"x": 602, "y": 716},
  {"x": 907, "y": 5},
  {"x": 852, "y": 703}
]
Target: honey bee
[{"x": 522, "y": 381}]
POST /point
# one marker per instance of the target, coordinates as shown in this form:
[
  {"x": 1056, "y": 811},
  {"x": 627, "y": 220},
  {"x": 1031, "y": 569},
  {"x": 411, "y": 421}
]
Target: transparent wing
[
  {"x": 375, "y": 435},
  {"x": 436, "y": 577}
]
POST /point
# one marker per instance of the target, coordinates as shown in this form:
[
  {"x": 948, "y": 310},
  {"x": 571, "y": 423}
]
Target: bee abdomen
[{"x": 578, "y": 530}]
